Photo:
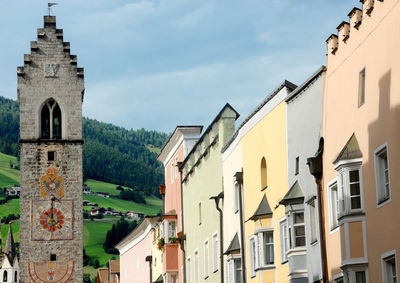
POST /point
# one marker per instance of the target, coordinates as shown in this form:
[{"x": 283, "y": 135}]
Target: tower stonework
[{"x": 50, "y": 96}]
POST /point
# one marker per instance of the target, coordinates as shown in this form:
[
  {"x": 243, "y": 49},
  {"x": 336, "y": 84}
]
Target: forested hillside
[{"x": 110, "y": 153}]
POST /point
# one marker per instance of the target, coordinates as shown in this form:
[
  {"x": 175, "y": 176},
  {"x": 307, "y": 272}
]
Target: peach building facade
[
  {"x": 174, "y": 151},
  {"x": 361, "y": 117},
  {"x": 136, "y": 253}
]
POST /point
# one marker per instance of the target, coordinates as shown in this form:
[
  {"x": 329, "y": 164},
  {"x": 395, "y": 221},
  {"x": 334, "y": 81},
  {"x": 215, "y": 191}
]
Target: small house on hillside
[
  {"x": 134, "y": 214},
  {"x": 14, "y": 191},
  {"x": 102, "y": 194},
  {"x": 86, "y": 190},
  {"x": 97, "y": 211}
]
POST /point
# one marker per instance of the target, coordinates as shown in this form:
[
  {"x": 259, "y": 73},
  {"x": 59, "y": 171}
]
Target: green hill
[{"x": 110, "y": 153}]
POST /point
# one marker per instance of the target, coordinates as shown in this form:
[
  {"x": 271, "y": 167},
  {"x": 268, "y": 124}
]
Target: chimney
[
  {"x": 332, "y": 43},
  {"x": 368, "y": 6},
  {"x": 355, "y": 17},
  {"x": 343, "y": 31}
]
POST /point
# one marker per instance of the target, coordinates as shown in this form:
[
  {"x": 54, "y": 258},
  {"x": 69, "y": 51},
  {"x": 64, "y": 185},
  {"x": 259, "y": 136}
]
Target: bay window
[{"x": 350, "y": 190}]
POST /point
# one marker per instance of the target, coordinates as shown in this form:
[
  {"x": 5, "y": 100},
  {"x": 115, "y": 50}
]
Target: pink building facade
[
  {"x": 135, "y": 253},
  {"x": 174, "y": 151}
]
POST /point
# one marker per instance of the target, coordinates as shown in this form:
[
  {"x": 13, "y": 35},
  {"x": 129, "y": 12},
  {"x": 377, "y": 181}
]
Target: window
[
  {"x": 382, "y": 177},
  {"x": 264, "y": 183},
  {"x": 15, "y": 276},
  {"x": 361, "y": 88},
  {"x": 234, "y": 270},
  {"x": 174, "y": 278},
  {"x": 50, "y": 156},
  {"x": 189, "y": 270},
  {"x": 360, "y": 277},
  {"x": 283, "y": 229},
  {"x": 253, "y": 255},
  {"x": 334, "y": 204},
  {"x": 196, "y": 266},
  {"x": 172, "y": 229},
  {"x": 389, "y": 270},
  {"x": 313, "y": 221},
  {"x": 237, "y": 192},
  {"x": 268, "y": 247},
  {"x": 297, "y": 166},
  {"x": 53, "y": 257},
  {"x": 176, "y": 166},
  {"x": 5, "y": 276},
  {"x": 172, "y": 172},
  {"x": 50, "y": 120},
  {"x": 206, "y": 257},
  {"x": 215, "y": 251},
  {"x": 297, "y": 230},
  {"x": 199, "y": 213},
  {"x": 350, "y": 200}
]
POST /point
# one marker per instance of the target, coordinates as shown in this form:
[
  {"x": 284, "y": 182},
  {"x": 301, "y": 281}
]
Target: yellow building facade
[{"x": 264, "y": 185}]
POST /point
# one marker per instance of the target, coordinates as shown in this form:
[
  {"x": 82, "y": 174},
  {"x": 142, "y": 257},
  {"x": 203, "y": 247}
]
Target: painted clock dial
[{"x": 52, "y": 220}]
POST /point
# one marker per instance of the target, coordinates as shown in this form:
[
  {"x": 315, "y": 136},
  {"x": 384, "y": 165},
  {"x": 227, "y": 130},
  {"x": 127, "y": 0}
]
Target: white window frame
[
  {"x": 334, "y": 210},
  {"x": 253, "y": 250},
  {"x": 236, "y": 190},
  {"x": 385, "y": 271},
  {"x": 172, "y": 232},
  {"x": 260, "y": 248},
  {"x": 172, "y": 172},
  {"x": 380, "y": 181},
  {"x": 350, "y": 274},
  {"x": 344, "y": 187},
  {"x": 284, "y": 239},
  {"x": 196, "y": 266},
  {"x": 292, "y": 226},
  {"x": 231, "y": 269},
  {"x": 176, "y": 166},
  {"x": 189, "y": 269},
  {"x": 313, "y": 221},
  {"x": 206, "y": 259},
  {"x": 215, "y": 242}
]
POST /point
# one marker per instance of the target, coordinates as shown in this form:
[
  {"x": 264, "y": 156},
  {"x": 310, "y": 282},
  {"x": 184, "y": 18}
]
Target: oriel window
[{"x": 50, "y": 120}]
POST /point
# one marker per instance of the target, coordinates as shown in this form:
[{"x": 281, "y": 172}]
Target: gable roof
[
  {"x": 289, "y": 85},
  {"x": 227, "y": 106},
  {"x": 262, "y": 210},
  {"x": 114, "y": 266},
  {"x": 159, "y": 279},
  {"x": 301, "y": 87},
  {"x": 234, "y": 245},
  {"x": 350, "y": 151},
  {"x": 295, "y": 194}
]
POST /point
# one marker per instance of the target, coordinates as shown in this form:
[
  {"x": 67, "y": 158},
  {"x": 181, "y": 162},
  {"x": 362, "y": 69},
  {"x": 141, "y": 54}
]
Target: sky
[{"x": 159, "y": 64}]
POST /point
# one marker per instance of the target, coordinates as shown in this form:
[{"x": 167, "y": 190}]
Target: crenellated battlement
[
  {"x": 47, "y": 37},
  {"x": 345, "y": 29}
]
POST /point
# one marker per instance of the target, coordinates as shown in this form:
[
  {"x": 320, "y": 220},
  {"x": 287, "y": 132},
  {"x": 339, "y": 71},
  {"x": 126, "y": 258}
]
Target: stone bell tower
[{"x": 50, "y": 96}]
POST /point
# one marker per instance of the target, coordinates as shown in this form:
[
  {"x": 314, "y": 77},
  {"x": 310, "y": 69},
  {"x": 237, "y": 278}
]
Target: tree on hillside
[{"x": 117, "y": 232}]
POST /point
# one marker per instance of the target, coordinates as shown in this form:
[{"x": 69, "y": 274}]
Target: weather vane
[{"x": 49, "y": 5}]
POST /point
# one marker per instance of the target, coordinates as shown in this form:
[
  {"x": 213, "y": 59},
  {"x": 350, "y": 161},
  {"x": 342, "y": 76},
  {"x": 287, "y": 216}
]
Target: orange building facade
[{"x": 361, "y": 115}]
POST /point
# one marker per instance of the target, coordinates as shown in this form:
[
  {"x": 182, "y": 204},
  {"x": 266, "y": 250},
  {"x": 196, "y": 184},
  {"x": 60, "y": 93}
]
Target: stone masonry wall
[{"x": 50, "y": 72}]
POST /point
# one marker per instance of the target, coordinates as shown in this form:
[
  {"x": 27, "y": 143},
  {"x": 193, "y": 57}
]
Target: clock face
[{"x": 52, "y": 220}]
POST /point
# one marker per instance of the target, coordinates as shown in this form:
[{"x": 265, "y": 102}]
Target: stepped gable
[{"x": 345, "y": 29}]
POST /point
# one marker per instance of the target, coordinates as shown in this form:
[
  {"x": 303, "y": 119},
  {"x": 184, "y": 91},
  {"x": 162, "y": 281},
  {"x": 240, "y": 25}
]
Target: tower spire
[{"x": 10, "y": 246}]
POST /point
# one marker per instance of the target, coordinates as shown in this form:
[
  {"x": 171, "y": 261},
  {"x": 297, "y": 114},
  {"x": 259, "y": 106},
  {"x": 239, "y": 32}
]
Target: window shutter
[{"x": 259, "y": 252}]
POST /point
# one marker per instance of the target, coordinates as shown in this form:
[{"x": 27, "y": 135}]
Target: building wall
[
  {"x": 49, "y": 72},
  {"x": 304, "y": 119},
  {"x": 205, "y": 181},
  {"x": 374, "y": 46},
  {"x": 266, "y": 139},
  {"x": 133, "y": 265},
  {"x": 232, "y": 163},
  {"x": 157, "y": 268}
]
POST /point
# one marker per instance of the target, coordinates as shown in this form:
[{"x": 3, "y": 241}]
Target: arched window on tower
[
  {"x": 50, "y": 120},
  {"x": 16, "y": 276},
  {"x": 264, "y": 181},
  {"x": 5, "y": 276}
]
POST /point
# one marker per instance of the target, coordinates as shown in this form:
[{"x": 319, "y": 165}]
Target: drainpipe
[
  {"x": 239, "y": 180},
  {"x": 221, "y": 233},
  {"x": 315, "y": 167},
  {"x": 149, "y": 258},
  {"x": 183, "y": 239}
]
